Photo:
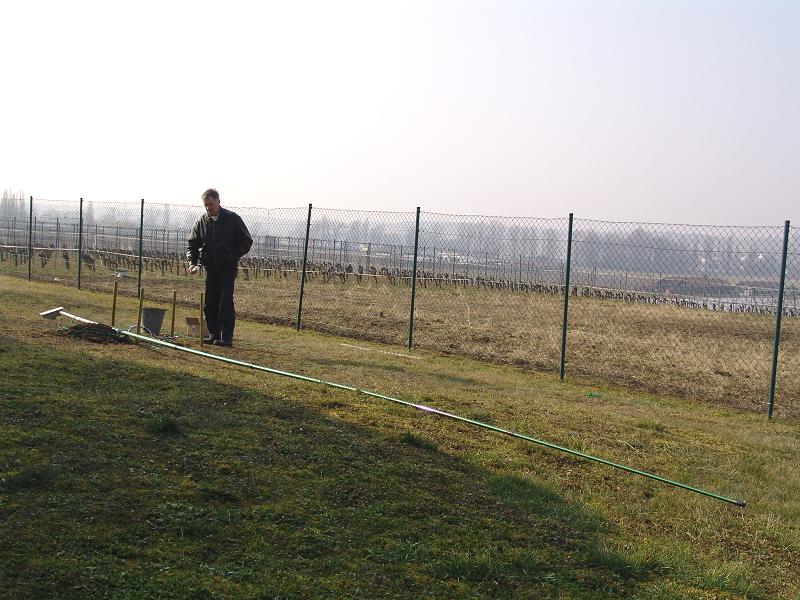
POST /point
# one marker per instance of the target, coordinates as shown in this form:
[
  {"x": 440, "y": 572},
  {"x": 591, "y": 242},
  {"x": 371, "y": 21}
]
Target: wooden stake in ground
[
  {"x": 172, "y": 326},
  {"x": 114, "y": 305},
  {"x": 139, "y": 320},
  {"x": 200, "y": 325}
]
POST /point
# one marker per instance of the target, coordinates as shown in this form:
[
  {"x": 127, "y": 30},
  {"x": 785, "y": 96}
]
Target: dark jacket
[{"x": 218, "y": 244}]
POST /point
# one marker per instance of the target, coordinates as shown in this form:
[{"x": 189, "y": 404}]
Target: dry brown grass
[
  {"x": 712, "y": 356},
  {"x": 708, "y": 355}
]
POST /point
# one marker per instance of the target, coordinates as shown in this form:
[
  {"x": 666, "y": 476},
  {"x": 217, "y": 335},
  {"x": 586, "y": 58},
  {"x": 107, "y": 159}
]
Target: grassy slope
[{"x": 135, "y": 472}]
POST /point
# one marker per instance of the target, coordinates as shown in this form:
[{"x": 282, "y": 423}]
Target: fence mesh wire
[
  {"x": 15, "y": 219},
  {"x": 269, "y": 276},
  {"x": 111, "y": 246},
  {"x": 679, "y": 309},
  {"x": 52, "y": 239},
  {"x": 359, "y": 274},
  {"x": 490, "y": 287}
]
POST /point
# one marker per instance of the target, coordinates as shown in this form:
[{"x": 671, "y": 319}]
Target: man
[{"x": 218, "y": 240}]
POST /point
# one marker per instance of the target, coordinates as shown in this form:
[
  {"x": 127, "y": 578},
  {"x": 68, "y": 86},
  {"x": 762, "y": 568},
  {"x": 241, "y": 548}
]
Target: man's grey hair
[{"x": 210, "y": 193}]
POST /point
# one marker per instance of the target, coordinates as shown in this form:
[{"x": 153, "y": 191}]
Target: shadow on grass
[
  {"x": 394, "y": 368},
  {"x": 29, "y": 477},
  {"x": 268, "y": 497},
  {"x": 163, "y": 425}
]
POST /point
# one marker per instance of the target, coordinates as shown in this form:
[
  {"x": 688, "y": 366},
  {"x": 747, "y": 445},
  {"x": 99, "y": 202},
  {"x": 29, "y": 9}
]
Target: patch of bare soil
[{"x": 97, "y": 333}]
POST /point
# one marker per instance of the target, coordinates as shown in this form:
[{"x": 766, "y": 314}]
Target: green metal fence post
[
  {"x": 413, "y": 285},
  {"x": 303, "y": 273},
  {"x": 80, "y": 240},
  {"x": 141, "y": 235},
  {"x": 566, "y": 300},
  {"x": 778, "y": 315},
  {"x": 30, "y": 238}
]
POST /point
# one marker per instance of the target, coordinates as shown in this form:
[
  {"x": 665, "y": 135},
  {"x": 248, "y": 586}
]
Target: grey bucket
[{"x": 152, "y": 318}]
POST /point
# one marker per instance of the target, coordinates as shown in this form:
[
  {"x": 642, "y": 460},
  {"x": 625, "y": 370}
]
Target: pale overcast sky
[{"x": 676, "y": 111}]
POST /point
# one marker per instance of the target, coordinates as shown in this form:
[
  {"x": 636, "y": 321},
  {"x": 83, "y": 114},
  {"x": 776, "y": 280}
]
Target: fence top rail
[
  {"x": 579, "y": 220},
  {"x": 35, "y": 199},
  {"x": 157, "y": 203},
  {"x": 404, "y": 213},
  {"x": 498, "y": 217},
  {"x": 235, "y": 207}
]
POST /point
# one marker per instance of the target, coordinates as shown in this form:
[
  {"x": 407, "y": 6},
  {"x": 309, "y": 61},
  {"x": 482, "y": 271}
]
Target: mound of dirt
[{"x": 97, "y": 333}]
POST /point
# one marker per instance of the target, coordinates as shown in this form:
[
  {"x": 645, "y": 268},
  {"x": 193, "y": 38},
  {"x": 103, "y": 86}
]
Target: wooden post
[
  {"x": 139, "y": 320},
  {"x": 200, "y": 325},
  {"x": 114, "y": 304},
  {"x": 172, "y": 326}
]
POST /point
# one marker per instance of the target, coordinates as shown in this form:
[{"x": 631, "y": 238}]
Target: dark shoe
[
  {"x": 225, "y": 343},
  {"x": 210, "y": 339}
]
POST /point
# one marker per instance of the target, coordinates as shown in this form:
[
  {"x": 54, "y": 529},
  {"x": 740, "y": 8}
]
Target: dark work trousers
[{"x": 218, "y": 306}]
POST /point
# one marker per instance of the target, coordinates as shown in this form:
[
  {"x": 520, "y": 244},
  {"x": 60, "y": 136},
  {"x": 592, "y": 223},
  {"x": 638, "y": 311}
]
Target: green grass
[{"x": 129, "y": 471}]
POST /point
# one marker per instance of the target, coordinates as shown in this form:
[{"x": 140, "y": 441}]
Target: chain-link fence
[
  {"x": 490, "y": 287},
  {"x": 49, "y": 237},
  {"x": 358, "y": 275},
  {"x": 270, "y": 274},
  {"x": 681, "y": 309},
  {"x": 14, "y": 222}
]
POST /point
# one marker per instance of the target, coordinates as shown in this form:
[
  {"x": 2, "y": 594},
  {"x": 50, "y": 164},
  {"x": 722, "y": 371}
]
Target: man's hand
[{"x": 193, "y": 269}]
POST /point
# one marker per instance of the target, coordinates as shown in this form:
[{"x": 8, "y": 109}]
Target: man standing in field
[{"x": 218, "y": 240}]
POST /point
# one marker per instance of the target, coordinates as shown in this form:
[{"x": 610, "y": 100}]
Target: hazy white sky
[{"x": 677, "y": 111}]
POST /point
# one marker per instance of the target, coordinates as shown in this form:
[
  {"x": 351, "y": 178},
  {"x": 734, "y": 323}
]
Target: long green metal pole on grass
[
  {"x": 413, "y": 285},
  {"x": 141, "y": 235},
  {"x": 30, "y": 239},
  {"x": 566, "y": 301},
  {"x": 434, "y": 411},
  {"x": 52, "y": 313},
  {"x": 80, "y": 240},
  {"x": 303, "y": 274},
  {"x": 778, "y": 315}
]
